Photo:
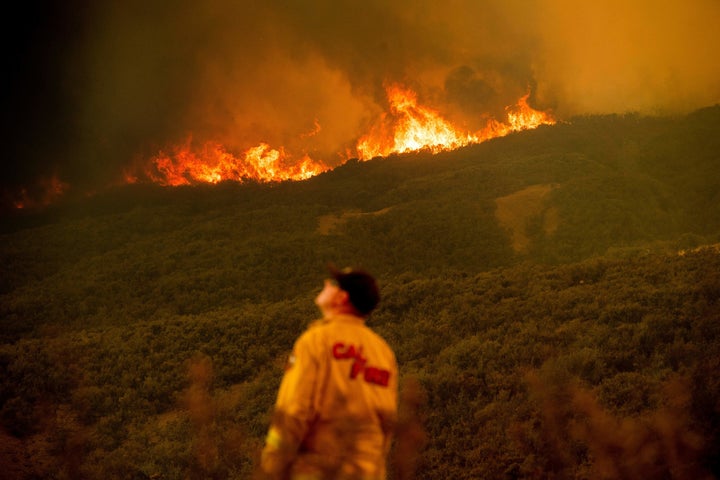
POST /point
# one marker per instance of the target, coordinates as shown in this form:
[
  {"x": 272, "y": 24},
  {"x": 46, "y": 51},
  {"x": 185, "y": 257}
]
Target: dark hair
[{"x": 360, "y": 287}]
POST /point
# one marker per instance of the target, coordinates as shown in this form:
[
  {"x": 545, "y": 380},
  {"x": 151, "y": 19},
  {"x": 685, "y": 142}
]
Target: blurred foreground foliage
[
  {"x": 144, "y": 331},
  {"x": 598, "y": 369}
]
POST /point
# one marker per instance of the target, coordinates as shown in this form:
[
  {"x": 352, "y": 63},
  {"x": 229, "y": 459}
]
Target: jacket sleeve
[{"x": 294, "y": 409}]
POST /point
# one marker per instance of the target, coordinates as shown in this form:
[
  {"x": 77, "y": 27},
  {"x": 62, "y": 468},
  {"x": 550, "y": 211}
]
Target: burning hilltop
[
  {"x": 408, "y": 126},
  {"x": 226, "y": 90}
]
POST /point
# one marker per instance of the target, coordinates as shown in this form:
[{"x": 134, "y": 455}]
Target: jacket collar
[{"x": 343, "y": 318}]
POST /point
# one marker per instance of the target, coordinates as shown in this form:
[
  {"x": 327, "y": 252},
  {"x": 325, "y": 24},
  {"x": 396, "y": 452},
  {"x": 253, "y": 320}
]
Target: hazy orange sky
[{"x": 93, "y": 84}]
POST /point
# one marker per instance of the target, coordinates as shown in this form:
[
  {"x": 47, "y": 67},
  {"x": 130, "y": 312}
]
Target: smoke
[
  {"x": 615, "y": 56},
  {"x": 94, "y": 85}
]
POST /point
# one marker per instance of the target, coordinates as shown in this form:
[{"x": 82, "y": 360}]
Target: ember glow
[
  {"x": 411, "y": 127},
  {"x": 45, "y": 192}
]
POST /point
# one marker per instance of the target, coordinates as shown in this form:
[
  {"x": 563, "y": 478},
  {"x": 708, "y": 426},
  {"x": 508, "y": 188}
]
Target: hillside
[{"x": 533, "y": 290}]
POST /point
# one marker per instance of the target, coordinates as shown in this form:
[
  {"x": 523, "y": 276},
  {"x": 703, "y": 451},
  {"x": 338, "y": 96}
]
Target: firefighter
[{"x": 337, "y": 403}]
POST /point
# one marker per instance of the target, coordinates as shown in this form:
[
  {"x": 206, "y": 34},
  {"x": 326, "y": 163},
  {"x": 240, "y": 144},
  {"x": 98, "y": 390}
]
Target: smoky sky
[{"x": 91, "y": 86}]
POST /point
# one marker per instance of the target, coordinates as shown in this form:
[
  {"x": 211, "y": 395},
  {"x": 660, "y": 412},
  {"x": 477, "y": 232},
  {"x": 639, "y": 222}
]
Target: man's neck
[{"x": 331, "y": 312}]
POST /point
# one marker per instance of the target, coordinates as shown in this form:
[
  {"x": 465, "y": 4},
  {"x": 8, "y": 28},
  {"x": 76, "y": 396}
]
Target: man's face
[{"x": 330, "y": 297}]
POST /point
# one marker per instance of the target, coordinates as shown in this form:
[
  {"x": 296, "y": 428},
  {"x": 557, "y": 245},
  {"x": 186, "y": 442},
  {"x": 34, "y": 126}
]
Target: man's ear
[{"x": 343, "y": 297}]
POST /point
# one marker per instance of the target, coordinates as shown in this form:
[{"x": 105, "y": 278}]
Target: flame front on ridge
[
  {"x": 411, "y": 127},
  {"x": 406, "y": 127},
  {"x": 212, "y": 163}
]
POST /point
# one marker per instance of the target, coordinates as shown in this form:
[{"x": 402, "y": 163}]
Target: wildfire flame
[
  {"x": 212, "y": 163},
  {"x": 407, "y": 127},
  {"x": 412, "y": 127}
]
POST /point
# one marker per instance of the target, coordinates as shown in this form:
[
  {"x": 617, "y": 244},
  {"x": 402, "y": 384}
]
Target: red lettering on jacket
[
  {"x": 356, "y": 368},
  {"x": 341, "y": 351},
  {"x": 378, "y": 376},
  {"x": 374, "y": 375}
]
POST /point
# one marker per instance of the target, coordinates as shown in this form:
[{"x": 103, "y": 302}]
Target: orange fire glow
[
  {"x": 212, "y": 163},
  {"x": 45, "y": 192},
  {"x": 407, "y": 127},
  {"x": 411, "y": 127}
]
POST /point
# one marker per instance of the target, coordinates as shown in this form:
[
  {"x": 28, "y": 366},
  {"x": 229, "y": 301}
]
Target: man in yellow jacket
[{"x": 337, "y": 403}]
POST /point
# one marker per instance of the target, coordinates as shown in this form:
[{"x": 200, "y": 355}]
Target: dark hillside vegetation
[{"x": 553, "y": 297}]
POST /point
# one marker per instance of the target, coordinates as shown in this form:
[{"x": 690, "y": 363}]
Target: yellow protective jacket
[{"x": 337, "y": 405}]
